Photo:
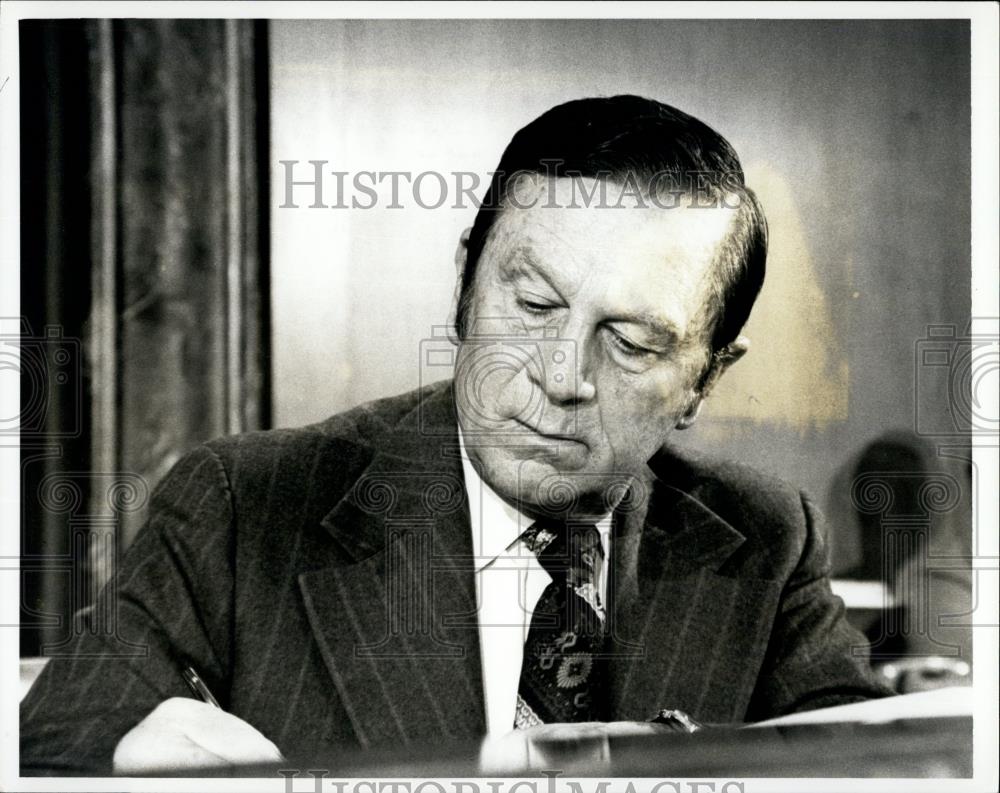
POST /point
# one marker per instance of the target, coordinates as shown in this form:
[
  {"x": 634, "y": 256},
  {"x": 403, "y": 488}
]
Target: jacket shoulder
[
  {"x": 775, "y": 517},
  {"x": 301, "y": 473},
  {"x": 359, "y": 426}
]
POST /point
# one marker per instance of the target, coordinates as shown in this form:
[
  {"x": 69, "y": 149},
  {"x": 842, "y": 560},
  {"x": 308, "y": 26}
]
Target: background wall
[{"x": 854, "y": 134}]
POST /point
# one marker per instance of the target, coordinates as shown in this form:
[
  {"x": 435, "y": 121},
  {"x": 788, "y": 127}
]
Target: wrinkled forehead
[{"x": 605, "y": 214}]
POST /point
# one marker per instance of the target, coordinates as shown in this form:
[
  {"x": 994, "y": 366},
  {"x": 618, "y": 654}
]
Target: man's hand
[
  {"x": 577, "y": 731},
  {"x": 548, "y": 745},
  {"x": 184, "y": 733}
]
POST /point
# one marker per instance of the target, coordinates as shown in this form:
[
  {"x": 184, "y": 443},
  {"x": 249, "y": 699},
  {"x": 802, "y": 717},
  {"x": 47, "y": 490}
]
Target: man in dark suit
[{"x": 518, "y": 546}]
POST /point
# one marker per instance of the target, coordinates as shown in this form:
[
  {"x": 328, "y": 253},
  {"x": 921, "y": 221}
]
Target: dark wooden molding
[
  {"x": 158, "y": 265},
  {"x": 191, "y": 350}
]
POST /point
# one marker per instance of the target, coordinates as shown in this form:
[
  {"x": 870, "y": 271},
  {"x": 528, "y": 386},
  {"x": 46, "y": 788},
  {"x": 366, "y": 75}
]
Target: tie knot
[{"x": 570, "y": 551}]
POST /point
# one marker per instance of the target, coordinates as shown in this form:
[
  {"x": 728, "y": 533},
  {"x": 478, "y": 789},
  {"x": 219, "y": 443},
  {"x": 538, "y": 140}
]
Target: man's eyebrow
[
  {"x": 657, "y": 325},
  {"x": 522, "y": 262}
]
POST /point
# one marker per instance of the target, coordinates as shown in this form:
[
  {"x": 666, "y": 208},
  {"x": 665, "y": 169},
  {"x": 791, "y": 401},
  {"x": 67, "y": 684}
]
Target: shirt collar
[{"x": 496, "y": 525}]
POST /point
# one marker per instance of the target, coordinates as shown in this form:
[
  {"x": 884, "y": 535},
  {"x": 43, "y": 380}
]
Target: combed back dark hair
[{"x": 648, "y": 146}]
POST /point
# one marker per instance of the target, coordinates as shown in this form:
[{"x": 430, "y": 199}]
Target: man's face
[{"x": 588, "y": 332}]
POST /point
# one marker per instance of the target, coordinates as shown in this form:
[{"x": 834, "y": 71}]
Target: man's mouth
[{"x": 554, "y": 434}]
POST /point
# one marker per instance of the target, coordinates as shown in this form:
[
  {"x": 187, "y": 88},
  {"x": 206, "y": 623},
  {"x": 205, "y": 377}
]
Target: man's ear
[
  {"x": 720, "y": 362},
  {"x": 462, "y": 252},
  {"x": 461, "y": 257}
]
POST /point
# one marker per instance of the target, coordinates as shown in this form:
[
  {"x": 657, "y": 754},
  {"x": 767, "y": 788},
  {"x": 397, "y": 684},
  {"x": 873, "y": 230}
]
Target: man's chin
[{"x": 547, "y": 485}]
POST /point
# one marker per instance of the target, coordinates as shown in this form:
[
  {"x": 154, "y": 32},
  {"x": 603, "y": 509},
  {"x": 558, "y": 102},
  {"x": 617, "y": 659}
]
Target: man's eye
[
  {"x": 628, "y": 348},
  {"x": 534, "y": 307}
]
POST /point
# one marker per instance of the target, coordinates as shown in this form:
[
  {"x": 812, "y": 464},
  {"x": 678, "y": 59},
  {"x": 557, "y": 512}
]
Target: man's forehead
[{"x": 548, "y": 218}]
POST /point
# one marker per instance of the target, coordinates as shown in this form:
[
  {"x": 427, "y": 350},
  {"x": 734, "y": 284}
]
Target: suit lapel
[
  {"x": 397, "y": 628},
  {"x": 680, "y": 631}
]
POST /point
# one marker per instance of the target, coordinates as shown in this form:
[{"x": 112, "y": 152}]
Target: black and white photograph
[{"x": 499, "y": 397}]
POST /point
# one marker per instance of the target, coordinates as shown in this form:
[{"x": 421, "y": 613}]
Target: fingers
[
  {"x": 184, "y": 733},
  {"x": 147, "y": 750},
  {"x": 548, "y": 745},
  {"x": 573, "y": 731},
  {"x": 625, "y": 728},
  {"x": 221, "y": 734}
]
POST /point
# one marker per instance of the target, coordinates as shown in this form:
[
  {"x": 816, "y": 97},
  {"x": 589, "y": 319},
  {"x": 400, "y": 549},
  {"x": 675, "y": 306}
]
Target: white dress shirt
[{"x": 509, "y": 582}]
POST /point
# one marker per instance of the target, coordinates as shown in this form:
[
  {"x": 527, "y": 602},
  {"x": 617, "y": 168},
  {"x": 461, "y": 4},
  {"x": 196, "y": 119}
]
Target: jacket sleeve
[
  {"x": 815, "y": 658},
  {"x": 169, "y": 605}
]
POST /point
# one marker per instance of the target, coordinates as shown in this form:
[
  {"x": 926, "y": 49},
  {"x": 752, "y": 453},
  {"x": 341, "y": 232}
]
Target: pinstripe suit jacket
[{"x": 321, "y": 581}]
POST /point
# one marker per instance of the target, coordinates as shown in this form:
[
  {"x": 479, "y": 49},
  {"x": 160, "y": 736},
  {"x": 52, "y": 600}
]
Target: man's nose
[{"x": 564, "y": 373}]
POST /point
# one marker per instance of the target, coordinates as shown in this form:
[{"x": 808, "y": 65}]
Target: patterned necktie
[{"x": 561, "y": 675}]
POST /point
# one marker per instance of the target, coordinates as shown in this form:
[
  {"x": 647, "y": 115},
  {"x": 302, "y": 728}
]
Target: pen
[{"x": 198, "y": 687}]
